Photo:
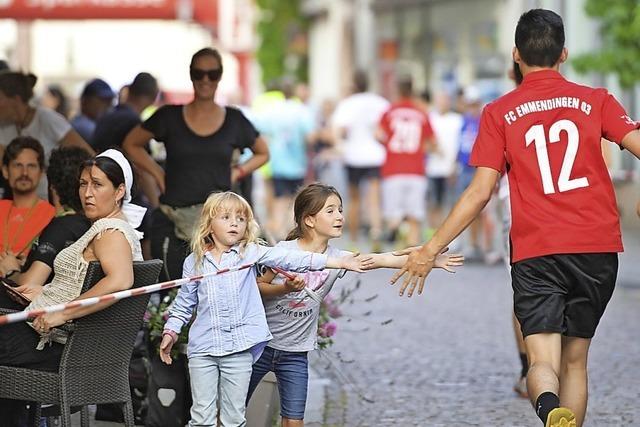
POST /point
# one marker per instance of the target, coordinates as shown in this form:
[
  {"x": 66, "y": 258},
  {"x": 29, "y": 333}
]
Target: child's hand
[
  {"x": 165, "y": 349},
  {"x": 446, "y": 262},
  {"x": 295, "y": 285},
  {"x": 356, "y": 262}
]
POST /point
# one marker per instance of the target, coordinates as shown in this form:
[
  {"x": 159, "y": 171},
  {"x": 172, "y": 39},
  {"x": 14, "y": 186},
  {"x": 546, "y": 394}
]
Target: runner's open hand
[{"x": 418, "y": 267}]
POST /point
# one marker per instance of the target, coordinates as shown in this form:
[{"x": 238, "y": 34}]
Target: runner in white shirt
[
  {"x": 356, "y": 120},
  {"x": 441, "y": 163}
]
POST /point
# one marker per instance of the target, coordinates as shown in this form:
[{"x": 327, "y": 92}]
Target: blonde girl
[
  {"x": 292, "y": 317},
  {"x": 230, "y": 329}
]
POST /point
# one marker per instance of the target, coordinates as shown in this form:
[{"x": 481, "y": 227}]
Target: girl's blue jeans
[{"x": 292, "y": 373}]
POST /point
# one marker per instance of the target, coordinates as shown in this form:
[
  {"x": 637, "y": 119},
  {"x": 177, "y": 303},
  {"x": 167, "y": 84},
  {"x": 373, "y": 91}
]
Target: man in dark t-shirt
[{"x": 114, "y": 126}]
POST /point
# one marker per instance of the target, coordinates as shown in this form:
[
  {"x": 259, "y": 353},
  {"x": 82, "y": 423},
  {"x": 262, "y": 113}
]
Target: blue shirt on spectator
[
  {"x": 286, "y": 126},
  {"x": 84, "y": 126},
  {"x": 468, "y": 134},
  {"x": 230, "y": 314}
]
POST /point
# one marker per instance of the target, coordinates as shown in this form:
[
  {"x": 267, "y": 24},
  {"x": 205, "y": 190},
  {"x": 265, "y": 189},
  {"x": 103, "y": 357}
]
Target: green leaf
[
  {"x": 281, "y": 28},
  {"x": 619, "y": 53}
]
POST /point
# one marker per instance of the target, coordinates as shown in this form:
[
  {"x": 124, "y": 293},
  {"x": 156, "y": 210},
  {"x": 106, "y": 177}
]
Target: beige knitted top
[{"x": 70, "y": 267}]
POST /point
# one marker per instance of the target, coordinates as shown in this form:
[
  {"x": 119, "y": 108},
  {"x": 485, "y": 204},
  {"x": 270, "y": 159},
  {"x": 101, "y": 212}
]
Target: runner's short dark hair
[{"x": 540, "y": 37}]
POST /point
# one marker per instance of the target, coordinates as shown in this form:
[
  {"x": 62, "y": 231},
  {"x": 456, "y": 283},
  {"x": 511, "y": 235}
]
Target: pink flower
[
  {"x": 333, "y": 308},
  {"x": 334, "y": 311},
  {"x": 330, "y": 328}
]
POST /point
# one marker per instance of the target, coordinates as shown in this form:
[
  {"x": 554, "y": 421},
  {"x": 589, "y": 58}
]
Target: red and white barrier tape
[{"x": 24, "y": 315}]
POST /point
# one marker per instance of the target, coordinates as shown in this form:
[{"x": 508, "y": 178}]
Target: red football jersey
[
  {"x": 546, "y": 134},
  {"x": 406, "y": 127}
]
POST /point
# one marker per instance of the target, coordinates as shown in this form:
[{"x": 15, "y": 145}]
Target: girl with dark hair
[
  {"x": 200, "y": 138},
  {"x": 105, "y": 186},
  {"x": 292, "y": 315}
]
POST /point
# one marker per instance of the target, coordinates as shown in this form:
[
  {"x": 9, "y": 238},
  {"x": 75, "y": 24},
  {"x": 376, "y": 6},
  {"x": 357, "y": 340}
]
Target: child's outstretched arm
[
  {"x": 302, "y": 261},
  {"x": 354, "y": 262},
  {"x": 389, "y": 260}
]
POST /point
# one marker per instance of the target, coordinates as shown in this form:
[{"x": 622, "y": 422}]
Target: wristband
[{"x": 172, "y": 334}]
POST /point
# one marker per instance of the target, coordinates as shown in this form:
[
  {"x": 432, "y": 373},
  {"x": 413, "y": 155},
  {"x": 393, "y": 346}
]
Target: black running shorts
[
  {"x": 566, "y": 294},
  {"x": 357, "y": 175}
]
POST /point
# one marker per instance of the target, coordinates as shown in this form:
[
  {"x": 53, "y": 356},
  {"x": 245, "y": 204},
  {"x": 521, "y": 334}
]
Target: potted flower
[{"x": 329, "y": 309}]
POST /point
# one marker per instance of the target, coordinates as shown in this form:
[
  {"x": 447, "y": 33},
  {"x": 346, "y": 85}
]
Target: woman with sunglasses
[{"x": 200, "y": 138}]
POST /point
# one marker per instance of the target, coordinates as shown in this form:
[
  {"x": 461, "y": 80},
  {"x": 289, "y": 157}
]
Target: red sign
[{"x": 204, "y": 11}]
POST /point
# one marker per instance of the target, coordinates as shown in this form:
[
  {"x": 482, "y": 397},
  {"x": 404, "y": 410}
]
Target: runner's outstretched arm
[
  {"x": 631, "y": 142},
  {"x": 470, "y": 204}
]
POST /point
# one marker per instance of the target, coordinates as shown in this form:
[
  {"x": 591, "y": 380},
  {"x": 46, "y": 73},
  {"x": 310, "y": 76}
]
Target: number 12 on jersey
[{"x": 537, "y": 135}]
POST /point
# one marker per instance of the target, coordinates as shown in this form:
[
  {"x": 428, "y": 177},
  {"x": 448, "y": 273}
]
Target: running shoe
[{"x": 561, "y": 417}]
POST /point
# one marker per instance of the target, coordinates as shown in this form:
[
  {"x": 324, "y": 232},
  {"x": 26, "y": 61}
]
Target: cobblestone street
[{"x": 448, "y": 357}]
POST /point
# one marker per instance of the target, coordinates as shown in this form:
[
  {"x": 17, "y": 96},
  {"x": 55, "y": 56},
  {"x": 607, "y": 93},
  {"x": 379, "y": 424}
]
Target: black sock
[
  {"x": 525, "y": 365},
  {"x": 545, "y": 403}
]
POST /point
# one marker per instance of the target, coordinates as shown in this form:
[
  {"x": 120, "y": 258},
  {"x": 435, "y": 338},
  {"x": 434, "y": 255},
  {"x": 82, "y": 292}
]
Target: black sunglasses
[{"x": 198, "y": 74}]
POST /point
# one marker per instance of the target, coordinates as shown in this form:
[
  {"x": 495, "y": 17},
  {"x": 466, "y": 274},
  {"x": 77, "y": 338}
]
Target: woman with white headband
[{"x": 105, "y": 192}]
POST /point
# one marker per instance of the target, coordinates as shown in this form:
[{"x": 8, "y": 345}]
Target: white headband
[{"x": 134, "y": 213}]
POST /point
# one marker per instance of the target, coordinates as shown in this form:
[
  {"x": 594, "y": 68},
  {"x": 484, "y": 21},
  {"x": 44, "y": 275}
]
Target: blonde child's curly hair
[{"x": 216, "y": 204}]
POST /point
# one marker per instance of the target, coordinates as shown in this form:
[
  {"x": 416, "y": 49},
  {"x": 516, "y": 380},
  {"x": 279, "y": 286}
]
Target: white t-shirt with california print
[{"x": 293, "y": 317}]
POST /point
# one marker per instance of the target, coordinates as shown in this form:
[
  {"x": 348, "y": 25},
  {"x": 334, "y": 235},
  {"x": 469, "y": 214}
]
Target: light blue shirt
[
  {"x": 230, "y": 315},
  {"x": 286, "y": 126}
]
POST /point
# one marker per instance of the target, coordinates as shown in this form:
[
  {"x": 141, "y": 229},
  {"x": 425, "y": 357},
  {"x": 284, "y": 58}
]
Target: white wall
[{"x": 327, "y": 44}]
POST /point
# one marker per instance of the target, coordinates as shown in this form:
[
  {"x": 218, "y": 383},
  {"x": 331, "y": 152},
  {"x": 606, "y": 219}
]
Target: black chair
[{"x": 95, "y": 362}]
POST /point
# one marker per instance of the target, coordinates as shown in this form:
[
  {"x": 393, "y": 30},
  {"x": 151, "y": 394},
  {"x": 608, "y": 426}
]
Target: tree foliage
[
  {"x": 283, "y": 40},
  {"x": 620, "y": 50}
]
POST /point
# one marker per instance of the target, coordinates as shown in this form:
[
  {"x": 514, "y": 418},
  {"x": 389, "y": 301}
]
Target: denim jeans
[
  {"x": 228, "y": 374},
  {"x": 292, "y": 373}
]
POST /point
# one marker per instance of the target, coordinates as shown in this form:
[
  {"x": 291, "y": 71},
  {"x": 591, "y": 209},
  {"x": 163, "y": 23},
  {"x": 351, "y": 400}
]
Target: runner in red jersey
[
  {"x": 565, "y": 233},
  {"x": 406, "y": 135}
]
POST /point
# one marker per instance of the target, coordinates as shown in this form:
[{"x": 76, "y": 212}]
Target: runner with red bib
[
  {"x": 565, "y": 229},
  {"x": 406, "y": 135}
]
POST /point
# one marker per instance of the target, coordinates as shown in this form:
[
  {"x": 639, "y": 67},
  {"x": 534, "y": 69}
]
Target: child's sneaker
[{"x": 561, "y": 417}]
